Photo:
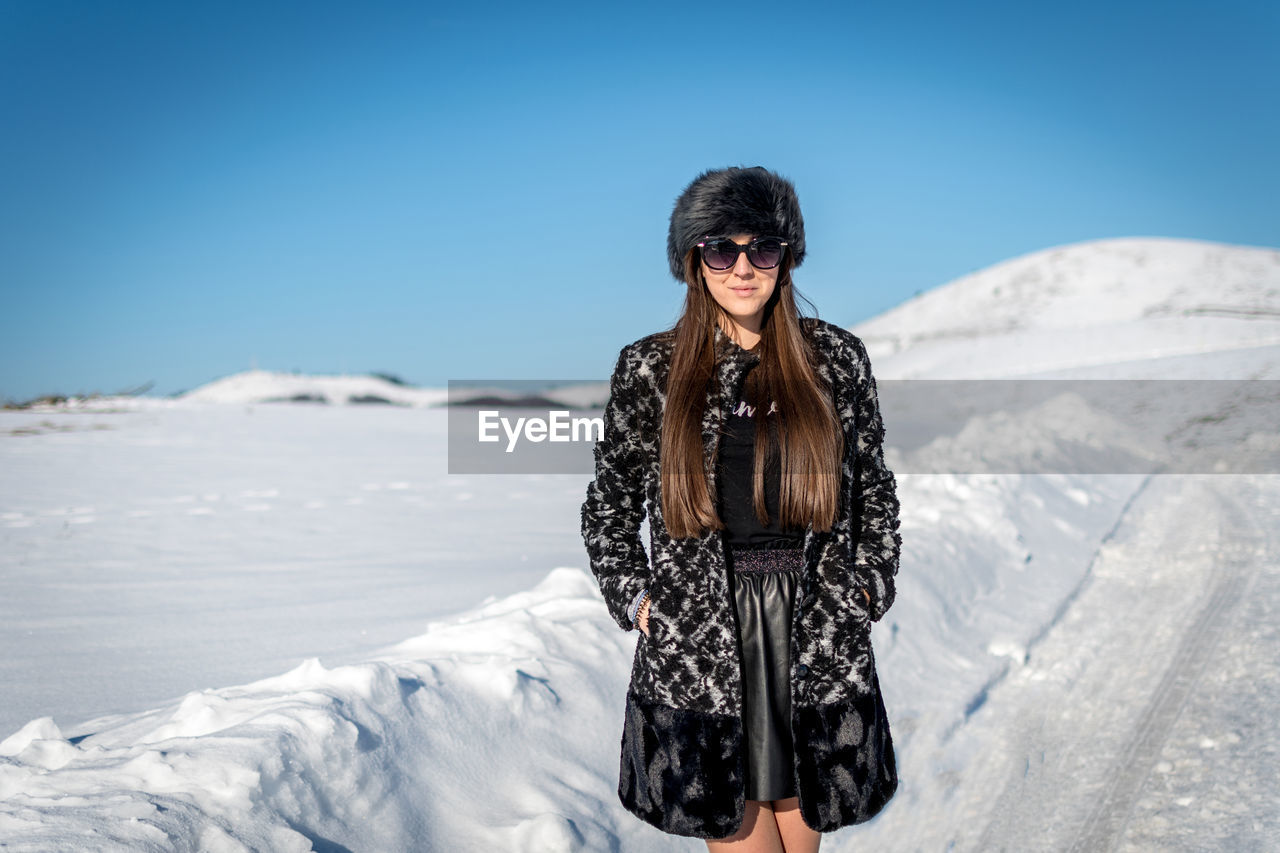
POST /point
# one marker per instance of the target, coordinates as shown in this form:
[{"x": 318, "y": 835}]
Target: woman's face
[{"x": 742, "y": 291}]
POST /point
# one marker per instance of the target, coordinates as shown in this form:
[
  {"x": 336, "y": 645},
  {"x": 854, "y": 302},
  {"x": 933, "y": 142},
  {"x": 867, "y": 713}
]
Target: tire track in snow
[
  {"x": 1079, "y": 730},
  {"x": 1247, "y": 543},
  {"x": 1129, "y": 775}
]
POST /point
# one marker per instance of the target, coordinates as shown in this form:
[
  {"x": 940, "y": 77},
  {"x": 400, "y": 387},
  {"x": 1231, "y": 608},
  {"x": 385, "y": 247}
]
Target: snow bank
[{"x": 495, "y": 730}]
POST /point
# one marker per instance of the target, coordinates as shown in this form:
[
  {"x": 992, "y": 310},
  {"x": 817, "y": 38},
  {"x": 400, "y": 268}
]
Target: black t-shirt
[{"x": 734, "y": 470}]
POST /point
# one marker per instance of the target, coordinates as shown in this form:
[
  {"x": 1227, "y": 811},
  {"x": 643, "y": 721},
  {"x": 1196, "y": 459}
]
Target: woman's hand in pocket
[{"x": 642, "y": 618}]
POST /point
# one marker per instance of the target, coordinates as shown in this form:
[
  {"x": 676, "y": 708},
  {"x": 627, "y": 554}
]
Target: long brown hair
[{"x": 808, "y": 441}]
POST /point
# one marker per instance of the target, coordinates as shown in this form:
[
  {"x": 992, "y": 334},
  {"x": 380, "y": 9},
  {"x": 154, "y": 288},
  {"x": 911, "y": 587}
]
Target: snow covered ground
[
  {"x": 175, "y": 546},
  {"x": 1081, "y": 662}
]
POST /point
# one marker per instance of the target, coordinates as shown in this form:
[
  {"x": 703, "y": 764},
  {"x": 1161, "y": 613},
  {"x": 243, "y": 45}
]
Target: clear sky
[{"x": 482, "y": 190}]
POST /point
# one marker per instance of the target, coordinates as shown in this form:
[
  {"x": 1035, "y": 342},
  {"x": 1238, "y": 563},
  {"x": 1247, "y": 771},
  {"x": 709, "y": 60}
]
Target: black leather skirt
[{"x": 764, "y": 584}]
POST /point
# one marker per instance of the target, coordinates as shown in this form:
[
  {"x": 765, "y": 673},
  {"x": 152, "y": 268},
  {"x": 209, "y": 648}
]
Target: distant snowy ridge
[
  {"x": 1097, "y": 306},
  {"x": 257, "y": 386},
  {"x": 262, "y": 386}
]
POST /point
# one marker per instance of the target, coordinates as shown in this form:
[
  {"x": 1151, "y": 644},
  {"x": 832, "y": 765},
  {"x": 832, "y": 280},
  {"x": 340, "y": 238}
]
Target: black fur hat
[{"x": 722, "y": 202}]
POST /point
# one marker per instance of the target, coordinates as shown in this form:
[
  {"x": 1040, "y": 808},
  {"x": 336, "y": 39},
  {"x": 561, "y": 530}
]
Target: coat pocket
[
  {"x": 660, "y": 634},
  {"x": 860, "y": 605}
]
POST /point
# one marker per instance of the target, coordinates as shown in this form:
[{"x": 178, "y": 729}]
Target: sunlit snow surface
[{"x": 1073, "y": 662}]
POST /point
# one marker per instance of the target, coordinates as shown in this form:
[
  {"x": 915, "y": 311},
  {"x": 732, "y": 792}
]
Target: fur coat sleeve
[
  {"x": 614, "y": 507},
  {"x": 874, "y": 503}
]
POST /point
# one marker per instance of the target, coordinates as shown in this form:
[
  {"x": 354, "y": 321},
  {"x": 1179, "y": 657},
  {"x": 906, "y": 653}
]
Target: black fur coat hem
[{"x": 682, "y": 771}]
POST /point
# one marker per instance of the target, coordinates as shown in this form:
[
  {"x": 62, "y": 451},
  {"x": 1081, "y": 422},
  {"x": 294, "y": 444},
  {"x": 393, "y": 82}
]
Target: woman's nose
[{"x": 742, "y": 268}]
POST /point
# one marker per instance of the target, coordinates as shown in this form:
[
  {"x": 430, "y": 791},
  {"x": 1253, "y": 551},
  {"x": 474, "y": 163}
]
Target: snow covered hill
[
  {"x": 1042, "y": 665},
  {"x": 265, "y": 386},
  {"x": 260, "y": 386},
  {"x": 1131, "y": 308}
]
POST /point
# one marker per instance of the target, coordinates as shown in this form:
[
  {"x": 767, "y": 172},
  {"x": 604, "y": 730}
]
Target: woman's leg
[
  {"x": 758, "y": 833},
  {"x": 797, "y": 837},
  {"x": 770, "y": 828}
]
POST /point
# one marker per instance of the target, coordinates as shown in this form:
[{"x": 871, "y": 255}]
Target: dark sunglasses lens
[
  {"x": 720, "y": 254},
  {"x": 765, "y": 254}
]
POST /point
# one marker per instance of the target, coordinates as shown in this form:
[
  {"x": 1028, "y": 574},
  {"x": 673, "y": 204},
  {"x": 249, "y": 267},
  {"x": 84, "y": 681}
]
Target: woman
[{"x": 754, "y": 713}]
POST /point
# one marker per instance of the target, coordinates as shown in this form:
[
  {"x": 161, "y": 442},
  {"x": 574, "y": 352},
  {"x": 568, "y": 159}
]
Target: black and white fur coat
[{"x": 681, "y": 767}]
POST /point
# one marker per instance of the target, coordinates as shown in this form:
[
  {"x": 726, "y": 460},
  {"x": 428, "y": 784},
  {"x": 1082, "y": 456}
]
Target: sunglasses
[{"x": 721, "y": 253}]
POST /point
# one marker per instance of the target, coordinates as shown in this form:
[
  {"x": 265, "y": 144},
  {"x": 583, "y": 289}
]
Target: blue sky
[{"x": 189, "y": 189}]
